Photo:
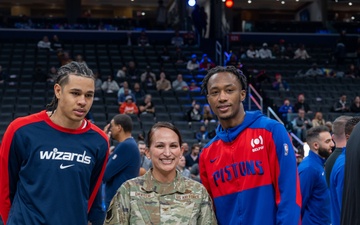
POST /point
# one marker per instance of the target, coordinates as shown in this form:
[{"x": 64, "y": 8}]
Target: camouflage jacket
[{"x": 143, "y": 200}]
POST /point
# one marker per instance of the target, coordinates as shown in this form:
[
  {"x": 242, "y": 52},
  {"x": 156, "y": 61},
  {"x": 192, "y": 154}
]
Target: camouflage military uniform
[{"x": 143, "y": 200}]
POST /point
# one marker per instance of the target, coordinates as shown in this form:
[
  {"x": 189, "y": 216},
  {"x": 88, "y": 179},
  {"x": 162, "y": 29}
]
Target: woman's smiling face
[{"x": 165, "y": 152}]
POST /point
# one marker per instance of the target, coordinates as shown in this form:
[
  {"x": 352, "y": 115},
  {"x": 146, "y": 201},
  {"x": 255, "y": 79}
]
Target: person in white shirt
[
  {"x": 193, "y": 64},
  {"x": 264, "y": 52},
  {"x": 110, "y": 85},
  {"x": 301, "y": 53},
  {"x": 252, "y": 53},
  {"x": 44, "y": 43},
  {"x": 179, "y": 84}
]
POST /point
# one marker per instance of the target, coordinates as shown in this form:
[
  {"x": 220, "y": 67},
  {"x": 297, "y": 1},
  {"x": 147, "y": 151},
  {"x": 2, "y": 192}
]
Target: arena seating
[{"x": 20, "y": 95}]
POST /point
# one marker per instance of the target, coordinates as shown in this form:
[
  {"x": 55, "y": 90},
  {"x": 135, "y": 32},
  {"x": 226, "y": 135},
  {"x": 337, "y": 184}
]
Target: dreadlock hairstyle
[
  {"x": 62, "y": 78},
  {"x": 218, "y": 69}
]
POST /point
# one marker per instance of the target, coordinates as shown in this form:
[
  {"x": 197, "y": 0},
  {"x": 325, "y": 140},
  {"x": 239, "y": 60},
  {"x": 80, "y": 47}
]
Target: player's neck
[
  {"x": 62, "y": 121},
  {"x": 226, "y": 124},
  {"x": 124, "y": 136}
]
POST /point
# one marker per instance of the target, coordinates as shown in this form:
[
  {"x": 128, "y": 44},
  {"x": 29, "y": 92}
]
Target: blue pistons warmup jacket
[
  {"x": 250, "y": 172},
  {"x": 48, "y": 174}
]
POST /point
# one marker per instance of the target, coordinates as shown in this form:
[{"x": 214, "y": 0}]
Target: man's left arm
[{"x": 285, "y": 179}]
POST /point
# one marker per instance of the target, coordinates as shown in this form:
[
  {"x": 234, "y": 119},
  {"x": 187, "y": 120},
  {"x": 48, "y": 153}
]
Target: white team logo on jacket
[
  {"x": 55, "y": 154},
  {"x": 257, "y": 143}
]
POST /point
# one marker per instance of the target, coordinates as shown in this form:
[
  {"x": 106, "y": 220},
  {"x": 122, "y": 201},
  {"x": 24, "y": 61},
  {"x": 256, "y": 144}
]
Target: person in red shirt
[{"x": 128, "y": 107}]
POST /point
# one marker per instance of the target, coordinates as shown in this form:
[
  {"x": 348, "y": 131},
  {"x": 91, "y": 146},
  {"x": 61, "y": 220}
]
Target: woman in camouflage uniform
[{"x": 162, "y": 195}]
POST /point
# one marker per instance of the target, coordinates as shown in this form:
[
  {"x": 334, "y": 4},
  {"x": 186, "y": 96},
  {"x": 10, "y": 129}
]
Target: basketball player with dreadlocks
[{"x": 52, "y": 162}]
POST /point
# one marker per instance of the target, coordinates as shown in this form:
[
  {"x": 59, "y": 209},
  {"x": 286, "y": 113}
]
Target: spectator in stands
[
  {"x": 164, "y": 55},
  {"x": 128, "y": 107},
  {"x": 265, "y": 52},
  {"x": 163, "y": 84},
  {"x": 51, "y": 76},
  {"x": 314, "y": 71},
  {"x": 177, "y": 40},
  {"x": 145, "y": 161},
  {"x": 193, "y": 64},
  {"x": 185, "y": 146},
  {"x": 355, "y": 106},
  {"x": 206, "y": 63},
  {"x": 2, "y": 75},
  {"x": 79, "y": 58},
  {"x": 148, "y": 80},
  {"x": 352, "y": 71},
  {"x": 143, "y": 39},
  {"x": 202, "y": 134},
  {"x": 276, "y": 52},
  {"x": 182, "y": 167},
  {"x": 178, "y": 57},
  {"x": 318, "y": 120},
  {"x": 98, "y": 83},
  {"x": 121, "y": 74},
  {"x": 147, "y": 106},
  {"x": 193, "y": 157},
  {"x": 44, "y": 43},
  {"x": 285, "y": 109},
  {"x": 56, "y": 44},
  {"x": 64, "y": 57},
  {"x": 289, "y": 52},
  {"x": 138, "y": 92},
  {"x": 125, "y": 84},
  {"x": 147, "y": 73},
  {"x": 179, "y": 84},
  {"x": 110, "y": 85},
  {"x": 329, "y": 125},
  {"x": 301, "y": 104},
  {"x": 194, "y": 113},
  {"x": 301, "y": 124},
  {"x": 301, "y": 53},
  {"x": 279, "y": 84},
  {"x": 193, "y": 86},
  {"x": 233, "y": 61},
  {"x": 133, "y": 72},
  {"x": 252, "y": 53},
  {"x": 341, "y": 105},
  {"x": 122, "y": 97},
  {"x": 208, "y": 115}
]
